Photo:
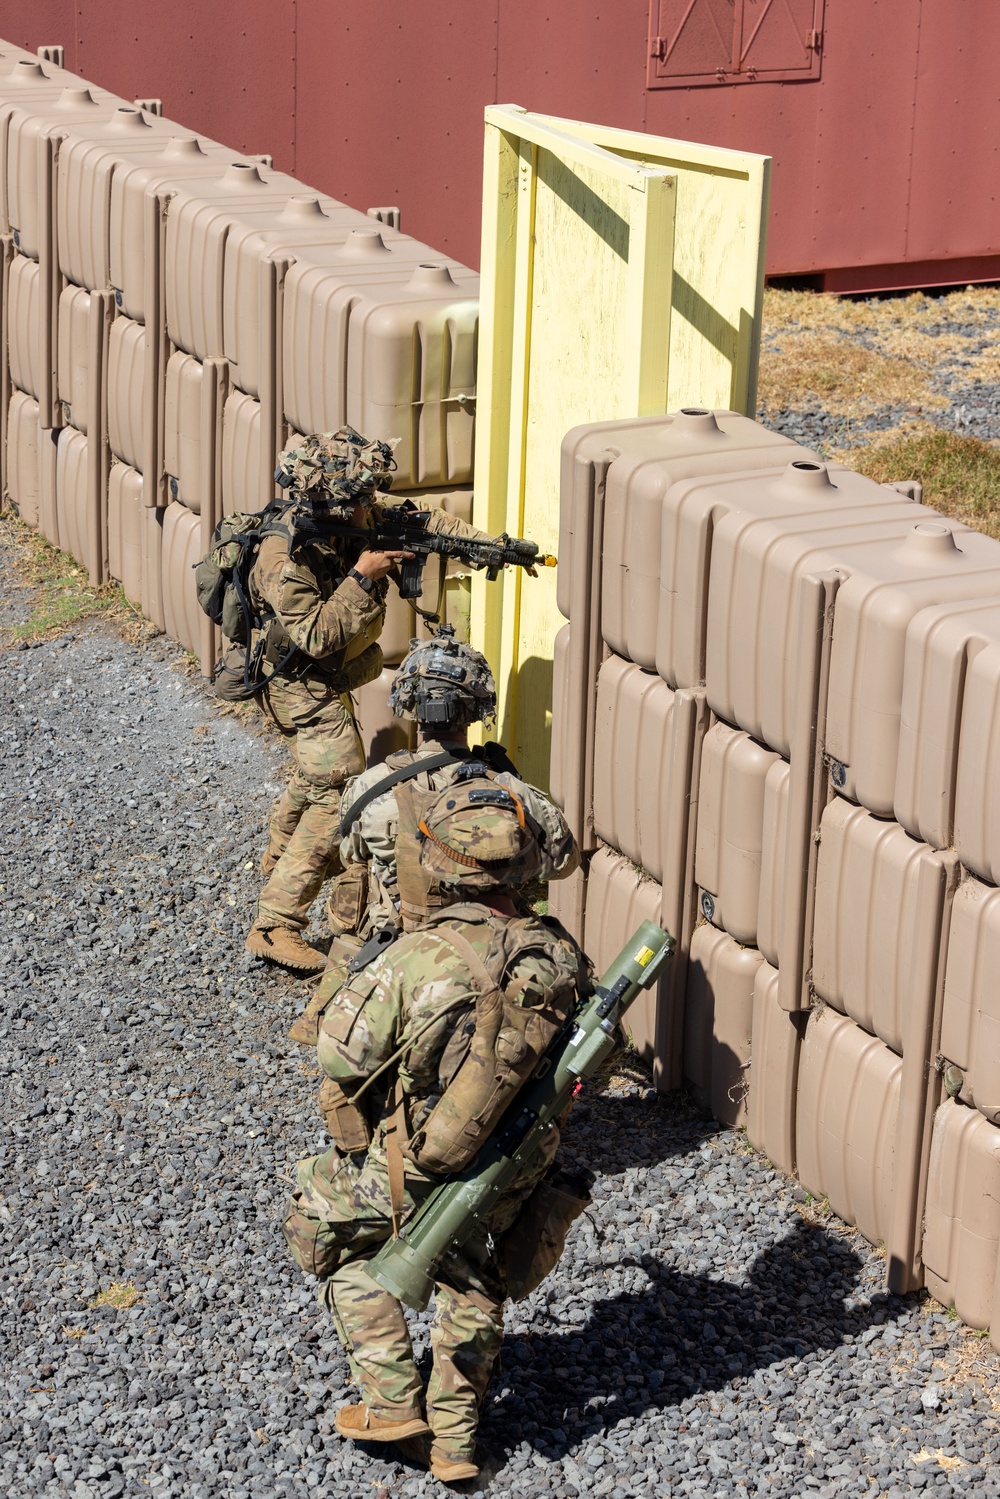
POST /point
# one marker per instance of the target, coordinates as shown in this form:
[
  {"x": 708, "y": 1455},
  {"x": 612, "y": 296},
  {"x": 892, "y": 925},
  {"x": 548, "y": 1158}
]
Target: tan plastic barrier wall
[
  {"x": 824, "y": 837},
  {"x": 173, "y": 313}
]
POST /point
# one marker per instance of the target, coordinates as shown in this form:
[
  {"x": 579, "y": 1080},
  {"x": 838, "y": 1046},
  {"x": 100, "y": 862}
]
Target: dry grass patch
[
  {"x": 973, "y": 1361},
  {"x": 121, "y": 1295},
  {"x": 960, "y": 475},
  {"x": 809, "y": 368},
  {"x": 63, "y": 595},
  {"x": 811, "y": 354},
  {"x": 977, "y": 306},
  {"x": 949, "y": 1464}
]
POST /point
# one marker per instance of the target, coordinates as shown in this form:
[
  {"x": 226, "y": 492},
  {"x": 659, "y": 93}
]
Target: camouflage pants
[
  {"x": 351, "y": 1197},
  {"x": 303, "y": 833}
]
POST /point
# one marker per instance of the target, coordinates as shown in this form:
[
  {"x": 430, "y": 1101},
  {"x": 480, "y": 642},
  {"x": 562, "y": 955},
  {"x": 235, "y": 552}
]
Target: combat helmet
[
  {"x": 444, "y": 682},
  {"x": 330, "y": 472},
  {"x": 476, "y": 834}
]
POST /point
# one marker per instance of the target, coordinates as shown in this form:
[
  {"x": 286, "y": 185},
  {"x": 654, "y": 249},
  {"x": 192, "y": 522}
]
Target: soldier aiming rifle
[{"x": 304, "y": 586}]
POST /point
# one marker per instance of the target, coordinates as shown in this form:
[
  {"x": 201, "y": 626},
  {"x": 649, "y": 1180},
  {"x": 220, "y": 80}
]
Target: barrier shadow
[{"x": 682, "y": 1335}]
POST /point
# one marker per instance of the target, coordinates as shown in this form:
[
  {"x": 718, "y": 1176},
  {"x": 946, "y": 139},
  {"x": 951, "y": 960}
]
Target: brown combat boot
[
  {"x": 452, "y": 1469},
  {"x": 281, "y": 945},
  {"x": 416, "y": 1450},
  {"x": 362, "y": 1425}
]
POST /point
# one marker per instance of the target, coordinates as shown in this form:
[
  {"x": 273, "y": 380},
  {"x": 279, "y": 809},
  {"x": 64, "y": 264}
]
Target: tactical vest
[
  {"x": 328, "y": 569},
  {"x": 224, "y": 585},
  {"x": 492, "y": 1052},
  {"x": 419, "y": 893}
]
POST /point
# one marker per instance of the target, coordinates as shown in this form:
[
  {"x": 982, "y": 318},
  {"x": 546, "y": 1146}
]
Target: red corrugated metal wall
[{"x": 884, "y": 166}]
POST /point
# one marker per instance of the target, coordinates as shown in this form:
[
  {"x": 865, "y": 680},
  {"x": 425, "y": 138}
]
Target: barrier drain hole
[
  {"x": 707, "y": 906},
  {"x": 838, "y": 773}
]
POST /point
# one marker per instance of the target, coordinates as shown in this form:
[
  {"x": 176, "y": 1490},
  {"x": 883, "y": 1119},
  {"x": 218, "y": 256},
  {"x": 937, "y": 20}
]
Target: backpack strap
[
  {"x": 396, "y": 778},
  {"x": 480, "y": 975},
  {"x": 478, "y": 971},
  {"x": 395, "y": 1136},
  {"x": 497, "y": 758}
]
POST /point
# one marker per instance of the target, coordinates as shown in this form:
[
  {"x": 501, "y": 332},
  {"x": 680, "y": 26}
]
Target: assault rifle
[
  {"x": 405, "y": 1266},
  {"x": 403, "y": 528}
]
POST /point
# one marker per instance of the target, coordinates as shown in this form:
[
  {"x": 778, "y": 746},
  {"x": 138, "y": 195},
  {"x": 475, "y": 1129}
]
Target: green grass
[
  {"x": 960, "y": 475},
  {"x": 121, "y": 1295},
  {"x": 62, "y": 592}
]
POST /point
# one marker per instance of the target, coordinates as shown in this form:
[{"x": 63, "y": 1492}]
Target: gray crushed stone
[{"x": 709, "y": 1332}]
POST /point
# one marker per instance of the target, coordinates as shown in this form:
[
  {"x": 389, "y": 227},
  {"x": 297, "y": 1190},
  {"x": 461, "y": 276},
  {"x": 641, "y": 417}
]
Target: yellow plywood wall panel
[
  {"x": 589, "y": 237},
  {"x": 718, "y": 274}
]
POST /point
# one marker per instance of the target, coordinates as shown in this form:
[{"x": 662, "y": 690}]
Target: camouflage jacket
[
  {"x": 373, "y": 838},
  {"x": 418, "y": 977},
  {"x": 323, "y": 611}
]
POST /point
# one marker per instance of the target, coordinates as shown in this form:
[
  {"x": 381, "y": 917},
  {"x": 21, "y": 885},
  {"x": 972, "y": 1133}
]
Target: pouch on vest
[
  {"x": 504, "y": 1042},
  {"x": 536, "y": 1239},
  {"x": 419, "y": 894},
  {"x": 236, "y": 667},
  {"x": 348, "y": 900},
  {"x": 338, "y": 1023},
  {"x": 228, "y": 681},
  {"x": 343, "y": 949},
  {"x": 347, "y": 1123},
  {"x": 360, "y": 643}
]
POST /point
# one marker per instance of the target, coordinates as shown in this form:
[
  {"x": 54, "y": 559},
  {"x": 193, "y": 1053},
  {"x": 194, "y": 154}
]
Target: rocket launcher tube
[{"x": 405, "y": 1266}]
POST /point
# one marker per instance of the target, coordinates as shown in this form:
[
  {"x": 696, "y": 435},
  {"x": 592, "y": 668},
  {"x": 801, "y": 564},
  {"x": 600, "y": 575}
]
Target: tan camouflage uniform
[
  {"x": 373, "y": 838},
  {"x": 420, "y": 975},
  {"x": 335, "y": 623}
]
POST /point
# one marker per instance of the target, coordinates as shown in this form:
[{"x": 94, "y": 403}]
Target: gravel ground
[{"x": 709, "y": 1332}]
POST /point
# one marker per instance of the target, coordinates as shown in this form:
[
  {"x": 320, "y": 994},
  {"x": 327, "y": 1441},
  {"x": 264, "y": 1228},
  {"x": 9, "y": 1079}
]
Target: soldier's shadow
[{"x": 681, "y": 1335}]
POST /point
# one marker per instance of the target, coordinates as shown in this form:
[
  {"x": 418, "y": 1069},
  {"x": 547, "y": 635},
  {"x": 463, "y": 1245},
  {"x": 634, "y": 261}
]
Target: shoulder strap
[
  {"x": 478, "y": 971},
  {"x": 481, "y": 976},
  {"x": 497, "y": 758},
  {"x": 395, "y": 778}
]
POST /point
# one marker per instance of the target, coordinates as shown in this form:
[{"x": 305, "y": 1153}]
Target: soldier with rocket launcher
[{"x": 456, "y": 1052}]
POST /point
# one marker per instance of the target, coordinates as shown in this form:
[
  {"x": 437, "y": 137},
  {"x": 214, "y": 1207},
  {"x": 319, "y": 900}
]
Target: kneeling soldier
[
  {"x": 444, "y": 686},
  {"x": 426, "y": 1046}
]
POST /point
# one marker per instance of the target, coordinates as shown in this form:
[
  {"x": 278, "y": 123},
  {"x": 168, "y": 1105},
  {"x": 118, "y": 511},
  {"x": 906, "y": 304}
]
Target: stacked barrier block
[
  {"x": 172, "y": 313},
  {"x": 37, "y": 102},
  {"x": 843, "y": 644}
]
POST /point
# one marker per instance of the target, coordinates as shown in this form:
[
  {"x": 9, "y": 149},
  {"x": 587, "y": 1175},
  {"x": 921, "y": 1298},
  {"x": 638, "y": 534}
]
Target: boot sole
[
  {"x": 454, "y": 1472},
  {"x": 397, "y": 1432}
]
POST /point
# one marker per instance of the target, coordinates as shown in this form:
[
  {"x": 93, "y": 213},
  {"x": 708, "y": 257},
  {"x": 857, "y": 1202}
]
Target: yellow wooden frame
[{"x": 622, "y": 275}]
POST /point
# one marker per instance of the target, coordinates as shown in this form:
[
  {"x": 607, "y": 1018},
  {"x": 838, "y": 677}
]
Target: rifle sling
[
  {"x": 492, "y": 754},
  {"x": 395, "y": 1167},
  {"x": 394, "y": 778}
]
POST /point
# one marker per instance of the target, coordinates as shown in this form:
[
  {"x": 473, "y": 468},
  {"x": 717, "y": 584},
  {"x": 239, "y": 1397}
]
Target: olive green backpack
[{"x": 222, "y": 584}]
